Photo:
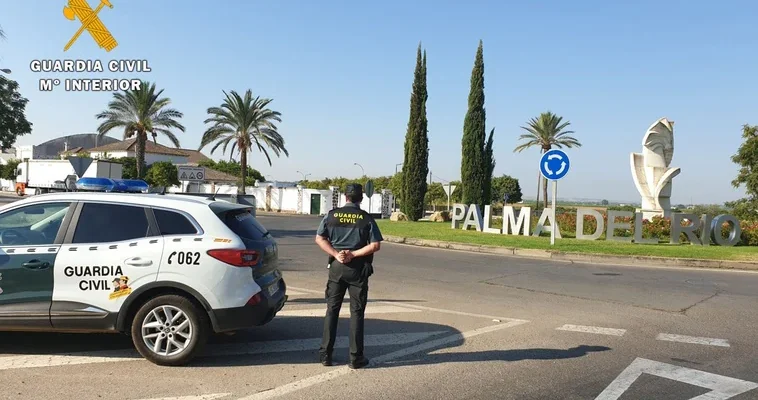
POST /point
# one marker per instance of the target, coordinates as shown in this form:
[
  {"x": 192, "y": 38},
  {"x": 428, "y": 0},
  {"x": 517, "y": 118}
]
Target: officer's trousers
[{"x": 344, "y": 278}]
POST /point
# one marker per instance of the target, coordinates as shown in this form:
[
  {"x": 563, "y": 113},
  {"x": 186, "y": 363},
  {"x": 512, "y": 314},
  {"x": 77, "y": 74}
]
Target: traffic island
[{"x": 440, "y": 235}]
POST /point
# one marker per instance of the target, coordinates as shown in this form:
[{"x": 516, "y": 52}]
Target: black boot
[
  {"x": 359, "y": 362},
  {"x": 326, "y": 359}
]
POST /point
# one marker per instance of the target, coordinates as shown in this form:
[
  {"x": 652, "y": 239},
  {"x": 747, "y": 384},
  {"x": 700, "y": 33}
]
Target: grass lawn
[{"x": 443, "y": 232}]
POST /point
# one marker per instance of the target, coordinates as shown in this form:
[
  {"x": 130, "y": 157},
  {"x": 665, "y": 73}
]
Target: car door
[
  {"x": 110, "y": 250},
  {"x": 30, "y": 239}
]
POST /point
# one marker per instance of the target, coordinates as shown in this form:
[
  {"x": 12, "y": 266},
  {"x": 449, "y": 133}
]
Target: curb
[{"x": 589, "y": 258}]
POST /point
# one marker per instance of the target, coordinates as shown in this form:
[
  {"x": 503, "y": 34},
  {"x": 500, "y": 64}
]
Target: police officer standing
[{"x": 351, "y": 237}]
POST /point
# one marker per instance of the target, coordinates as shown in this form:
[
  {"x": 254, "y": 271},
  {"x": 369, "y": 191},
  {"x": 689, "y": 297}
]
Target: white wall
[
  {"x": 375, "y": 206},
  {"x": 285, "y": 199},
  {"x": 289, "y": 202},
  {"x": 153, "y": 158},
  {"x": 25, "y": 152},
  {"x": 7, "y": 186},
  {"x": 326, "y": 200},
  {"x": 259, "y": 193},
  {"x": 113, "y": 154}
]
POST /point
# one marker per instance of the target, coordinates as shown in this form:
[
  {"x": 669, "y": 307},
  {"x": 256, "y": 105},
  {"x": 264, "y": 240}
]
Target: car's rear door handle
[
  {"x": 138, "y": 262},
  {"x": 36, "y": 264}
]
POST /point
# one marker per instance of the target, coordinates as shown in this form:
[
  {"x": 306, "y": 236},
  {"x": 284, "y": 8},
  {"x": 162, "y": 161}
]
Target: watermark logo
[{"x": 90, "y": 22}]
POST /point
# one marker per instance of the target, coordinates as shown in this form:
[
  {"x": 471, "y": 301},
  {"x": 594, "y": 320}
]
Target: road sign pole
[
  {"x": 554, "y": 224},
  {"x": 554, "y": 165},
  {"x": 449, "y": 191}
]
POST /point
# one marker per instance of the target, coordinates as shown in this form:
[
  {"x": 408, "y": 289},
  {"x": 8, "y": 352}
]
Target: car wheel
[{"x": 170, "y": 330}]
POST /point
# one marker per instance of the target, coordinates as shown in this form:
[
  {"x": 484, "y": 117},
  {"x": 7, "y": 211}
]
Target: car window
[
  {"x": 102, "y": 223},
  {"x": 244, "y": 224},
  {"x": 173, "y": 223},
  {"x": 32, "y": 225}
]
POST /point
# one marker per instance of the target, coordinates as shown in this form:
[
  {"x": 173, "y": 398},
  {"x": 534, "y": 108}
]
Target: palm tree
[
  {"x": 2, "y": 33},
  {"x": 546, "y": 131},
  {"x": 140, "y": 112},
  {"x": 244, "y": 123}
]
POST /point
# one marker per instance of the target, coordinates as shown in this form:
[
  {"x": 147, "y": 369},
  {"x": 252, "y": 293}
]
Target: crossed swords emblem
[{"x": 90, "y": 22}]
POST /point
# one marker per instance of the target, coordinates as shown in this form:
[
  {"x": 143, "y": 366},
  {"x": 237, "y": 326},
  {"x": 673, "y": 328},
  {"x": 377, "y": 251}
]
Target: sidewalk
[{"x": 579, "y": 257}]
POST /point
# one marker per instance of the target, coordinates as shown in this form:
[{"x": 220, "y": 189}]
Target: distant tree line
[{"x": 435, "y": 194}]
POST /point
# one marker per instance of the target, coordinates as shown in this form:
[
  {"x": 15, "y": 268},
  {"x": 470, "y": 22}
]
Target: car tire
[{"x": 190, "y": 330}]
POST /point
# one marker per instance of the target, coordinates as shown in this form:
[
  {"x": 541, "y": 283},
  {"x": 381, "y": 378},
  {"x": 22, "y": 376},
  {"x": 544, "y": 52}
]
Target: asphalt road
[{"x": 443, "y": 325}]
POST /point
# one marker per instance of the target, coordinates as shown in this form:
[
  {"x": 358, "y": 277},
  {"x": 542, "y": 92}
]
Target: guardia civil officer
[{"x": 350, "y": 236}]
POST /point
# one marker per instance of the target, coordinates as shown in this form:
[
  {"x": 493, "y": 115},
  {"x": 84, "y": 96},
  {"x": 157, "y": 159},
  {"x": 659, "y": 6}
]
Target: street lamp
[
  {"x": 6, "y": 70},
  {"x": 394, "y": 195},
  {"x": 305, "y": 176},
  {"x": 362, "y": 171}
]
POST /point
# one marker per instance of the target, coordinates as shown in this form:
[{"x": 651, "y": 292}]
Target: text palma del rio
[{"x": 465, "y": 217}]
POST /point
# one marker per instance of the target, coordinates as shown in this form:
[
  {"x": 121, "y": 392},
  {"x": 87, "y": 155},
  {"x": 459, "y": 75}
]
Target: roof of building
[
  {"x": 73, "y": 151},
  {"x": 195, "y": 156},
  {"x": 150, "y": 148}
]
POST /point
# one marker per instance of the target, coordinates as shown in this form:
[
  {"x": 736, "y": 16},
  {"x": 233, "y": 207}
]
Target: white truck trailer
[{"x": 43, "y": 176}]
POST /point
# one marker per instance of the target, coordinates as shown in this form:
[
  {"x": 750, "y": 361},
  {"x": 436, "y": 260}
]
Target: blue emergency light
[
  {"x": 112, "y": 185},
  {"x": 131, "y": 186},
  {"x": 95, "y": 184}
]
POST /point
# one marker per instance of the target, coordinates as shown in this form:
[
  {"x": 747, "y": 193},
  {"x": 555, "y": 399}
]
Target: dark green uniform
[{"x": 347, "y": 228}]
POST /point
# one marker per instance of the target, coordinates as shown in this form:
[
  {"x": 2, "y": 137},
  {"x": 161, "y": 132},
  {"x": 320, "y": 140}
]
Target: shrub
[{"x": 749, "y": 235}]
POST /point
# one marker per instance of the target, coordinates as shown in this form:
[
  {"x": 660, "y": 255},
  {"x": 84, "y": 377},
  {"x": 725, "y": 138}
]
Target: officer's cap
[{"x": 354, "y": 189}]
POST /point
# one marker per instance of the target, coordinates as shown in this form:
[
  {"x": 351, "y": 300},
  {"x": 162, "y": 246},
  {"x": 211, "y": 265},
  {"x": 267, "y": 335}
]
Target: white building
[{"x": 155, "y": 152}]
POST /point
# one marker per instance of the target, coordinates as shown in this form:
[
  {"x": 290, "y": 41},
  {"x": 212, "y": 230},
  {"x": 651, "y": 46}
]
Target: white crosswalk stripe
[
  {"x": 421, "y": 347},
  {"x": 693, "y": 340},
  {"x": 277, "y": 346},
  {"x": 592, "y": 329},
  {"x": 213, "y": 396},
  {"x": 344, "y": 311}
]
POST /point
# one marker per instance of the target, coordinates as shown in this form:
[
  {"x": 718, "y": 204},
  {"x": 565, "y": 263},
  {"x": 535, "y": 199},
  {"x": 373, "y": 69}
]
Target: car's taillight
[
  {"x": 255, "y": 299},
  {"x": 238, "y": 258}
]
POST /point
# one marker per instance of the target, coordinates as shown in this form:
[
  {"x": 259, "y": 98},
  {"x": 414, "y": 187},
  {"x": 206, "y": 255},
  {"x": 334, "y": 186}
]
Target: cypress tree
[
  {"x": 416, "y": 158},
  {"x": 473, "y": 161},
  {"x": 489, "y": 160}
]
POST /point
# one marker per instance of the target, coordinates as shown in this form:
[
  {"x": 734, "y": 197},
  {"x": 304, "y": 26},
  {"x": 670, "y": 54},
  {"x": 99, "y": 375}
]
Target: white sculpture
[{"x": 651, "y": 172}]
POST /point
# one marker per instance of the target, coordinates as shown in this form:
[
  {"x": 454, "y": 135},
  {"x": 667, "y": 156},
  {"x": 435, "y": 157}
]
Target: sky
[{"x": 340, "y": 72}]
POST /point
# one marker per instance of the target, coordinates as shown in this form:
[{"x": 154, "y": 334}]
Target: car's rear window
[{"x": 245, "y": 225}]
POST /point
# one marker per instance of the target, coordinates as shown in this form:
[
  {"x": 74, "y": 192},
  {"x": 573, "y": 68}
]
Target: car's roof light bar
[{"x": 112, "y": 185}]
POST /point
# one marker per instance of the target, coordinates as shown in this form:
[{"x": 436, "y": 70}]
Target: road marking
[
  {"x": 344, "y": 311},
  {"x": 282, "y": 346},
  {"x": 55, "y": 360},
  {"x": 440, "y": 310},
  {"x": 336, "y": 373},
  {"x": 232, "y": 349},
  {"x": 692, "y": 339},
  {"x": 723, "y": 387},
  {"x": 592, "y": 329},
  {"x": 291, "y": 292},
  {"x": 198, "y": 397}
]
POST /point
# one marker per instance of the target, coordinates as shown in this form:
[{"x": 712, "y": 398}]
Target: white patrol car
[{"x": 168, "y": 270}]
